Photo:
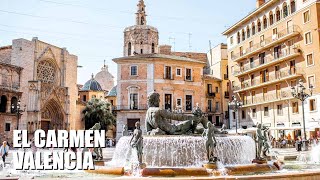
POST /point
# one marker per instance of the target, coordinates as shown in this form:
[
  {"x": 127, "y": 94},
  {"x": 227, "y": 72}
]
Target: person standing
[{"x": 4, "y": 149}]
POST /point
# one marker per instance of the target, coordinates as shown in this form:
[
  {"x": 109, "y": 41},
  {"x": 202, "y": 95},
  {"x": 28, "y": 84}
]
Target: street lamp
[
  {"x": 18, "y": 111},
  {"x": 299, "y": 93},
  {"x": 235, "y": 105}
]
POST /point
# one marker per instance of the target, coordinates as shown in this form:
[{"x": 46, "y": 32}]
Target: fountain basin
[{"x": 185, "y": 151}]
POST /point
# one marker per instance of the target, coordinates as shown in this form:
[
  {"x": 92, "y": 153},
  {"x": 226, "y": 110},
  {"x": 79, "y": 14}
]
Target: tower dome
[
  {"x": 105, "y": 78},
  {"x": 140, "y": 38},
  {"x": 91, "y": 85}
]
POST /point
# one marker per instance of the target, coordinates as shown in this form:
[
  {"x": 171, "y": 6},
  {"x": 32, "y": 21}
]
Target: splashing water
[{"x": 185, "y": 151}]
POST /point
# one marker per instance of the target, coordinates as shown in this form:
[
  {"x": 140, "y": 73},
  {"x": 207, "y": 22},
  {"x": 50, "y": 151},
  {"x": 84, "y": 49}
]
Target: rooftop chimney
[
  {"x": 259, "y": 3},
  {"x": 165, "y": 49}
]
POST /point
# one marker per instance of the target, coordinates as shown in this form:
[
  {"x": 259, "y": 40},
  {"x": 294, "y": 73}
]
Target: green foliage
[{"x": 97, "y": 111}]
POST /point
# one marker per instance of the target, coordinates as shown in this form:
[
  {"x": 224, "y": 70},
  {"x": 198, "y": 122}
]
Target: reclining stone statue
[{"x": 158, "y": 121}]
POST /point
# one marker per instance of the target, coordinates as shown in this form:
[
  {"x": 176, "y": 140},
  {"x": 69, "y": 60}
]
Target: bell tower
[
  {"x": 140, "y": 38},
  {"x": 141, "y": 14}
]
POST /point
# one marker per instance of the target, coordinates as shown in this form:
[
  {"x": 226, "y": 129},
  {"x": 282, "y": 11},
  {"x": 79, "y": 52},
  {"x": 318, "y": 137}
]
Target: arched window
[
  {"x": 253, "y": 29},
  {"x": 238, "y": 37},
  {"x": 5, "y": 77},
  {"x": 129, "y": 49},
  {"x": 293, "y": 6},
  {"x": 14, "y": 103},
  {"x": 265, "y": 22},
  {"x": 152, "y": 48},
  {"x": 278, "y": 15},
  {"x": 259, "y": 25},
  {"x": 142, "y": 20},
  {"x": 3, "y": 103},
  {"x": 285, "y": 10},
  {"x": 141, "y": 51},
  {"x": 248, "y": 32},
  {"x": 271, "y": 18},
  {"x": 243, "y": 35}
]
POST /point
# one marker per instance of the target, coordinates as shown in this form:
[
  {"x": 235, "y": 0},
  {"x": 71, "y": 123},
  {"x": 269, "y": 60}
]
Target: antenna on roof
[
  {"x": 174, "y": 42},
  {"x": 189, "y": 34}
]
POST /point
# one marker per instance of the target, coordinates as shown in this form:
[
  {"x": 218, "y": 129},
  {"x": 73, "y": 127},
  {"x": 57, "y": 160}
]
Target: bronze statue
[
  {"x": 260, "y": 139},
  {"x": 97, "y": 150},
  {"x": 158, "y": 120},
  {"x": 210, "y": 142},
  {"x": 266, "y": 143},
  {"x": 136, "y": 142}
]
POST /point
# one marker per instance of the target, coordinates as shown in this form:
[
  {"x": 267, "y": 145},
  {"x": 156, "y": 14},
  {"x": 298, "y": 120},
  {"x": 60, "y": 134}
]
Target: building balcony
[
  {"x": 269, "y": 79},
  {"x": 130, "y": 108},
  {"x": 268, "y": 42},
  {"x": 211, "y": 95},
  {"x": 269, "y": 98},
  {"x": 286, "y": 54}
]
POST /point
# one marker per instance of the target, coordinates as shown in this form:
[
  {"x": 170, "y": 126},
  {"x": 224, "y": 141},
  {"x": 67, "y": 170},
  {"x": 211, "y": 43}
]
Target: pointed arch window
[
  {"x": 243, "y": 35},
  {"x": 271, "y": 18},
  {"x": 259, "y": 26},
  {"x": 293, "y": 6},
  {"x": 265, "y": 22},
  {"x": 248, "y": 32},
  {"x": 129, "y": 49},
  {"x": 278, "y": 15},
  {"x": 285, "y": 10},
  {"x": 3, "y": 103},
  {"x": 253, "y": 29}
]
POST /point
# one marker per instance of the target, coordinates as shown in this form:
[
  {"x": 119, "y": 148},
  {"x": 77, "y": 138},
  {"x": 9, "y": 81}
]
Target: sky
[{"x": 93, "y": 29}]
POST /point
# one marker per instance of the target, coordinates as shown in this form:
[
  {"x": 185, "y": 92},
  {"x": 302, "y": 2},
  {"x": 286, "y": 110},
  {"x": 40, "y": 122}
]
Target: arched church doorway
[{"x": 52, "y": 116}]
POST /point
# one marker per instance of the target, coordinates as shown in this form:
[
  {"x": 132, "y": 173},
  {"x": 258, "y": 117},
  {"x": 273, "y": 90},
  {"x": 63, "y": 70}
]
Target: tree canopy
[{"x": 96, "y": 111}]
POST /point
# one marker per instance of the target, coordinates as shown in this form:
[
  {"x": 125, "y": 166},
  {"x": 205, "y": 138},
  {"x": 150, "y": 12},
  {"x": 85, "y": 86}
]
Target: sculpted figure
[
  {"x": 97, "y": 150},
  {"x": 210, "y": 142},
  {"x": 260, "y": 139},
  {"x": 266, "y": 144},
  {"x": 125, "y": 130},
  {"x": 158, "y": 120},
  {"x": 136, "y": 141}
]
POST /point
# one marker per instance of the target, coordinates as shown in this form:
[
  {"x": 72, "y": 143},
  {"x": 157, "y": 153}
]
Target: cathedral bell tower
[{"x": 140, "y": 38}]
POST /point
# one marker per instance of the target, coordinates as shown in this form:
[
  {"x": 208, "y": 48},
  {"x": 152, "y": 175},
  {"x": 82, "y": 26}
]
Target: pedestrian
[{"x": 4, "y": 149}]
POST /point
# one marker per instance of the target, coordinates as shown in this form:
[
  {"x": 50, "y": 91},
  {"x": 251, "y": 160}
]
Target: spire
[
  {"x": 92, "y": 76},
  {"x": 141, "y": 13},
  {"x": 104, "y": 67}
]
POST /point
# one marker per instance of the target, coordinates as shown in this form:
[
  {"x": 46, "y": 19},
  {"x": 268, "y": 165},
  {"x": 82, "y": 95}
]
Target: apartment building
[{"x": 270, "y": 50}]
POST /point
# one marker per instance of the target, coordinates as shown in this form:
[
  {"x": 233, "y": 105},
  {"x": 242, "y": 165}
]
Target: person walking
[{"x": 4, "y": 149}]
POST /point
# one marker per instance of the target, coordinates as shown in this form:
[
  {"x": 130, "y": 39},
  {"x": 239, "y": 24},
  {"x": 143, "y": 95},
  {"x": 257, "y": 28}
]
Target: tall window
[
  {"x": 167, "y": 101},
  {"x": 210, "y": 105},
  {"x": 167, "y": 72},
  {"x": 265, "y": 22},
  {"x": 7, "y": 128},
  {"x": 306, "y": 16},
  {"x": 264, "y": 76},
  {"x": 311, "y": 81},
  {"x": 254, "y": 113},
  {"x": 278, "y": 15},
  {"x": 259, "y": 26},
  {"x": 238, "y": 37},
  {"x": 243, "y": 114},
  {"x": 295, "y": 107},
  {"x": 310, "y": 60},
  {"x": 262, "y": 58},
  {"x": 84, "y": 98},
  {"x": 152, "y": 48},
  {"x": 285, "y": 10},
  {"x": 129, "y": 49},
  {"x": 271, "y": 18},
  {"x": 188, "y": 74},
  {"x": 217, "y": 106},
  {"x": 3, "y": 103},
  {"x": 248, "y": 32},
  {"x": 312, "y": 105},
  {"x": 188, "y": 102},
  {"x": 253, "y": 29},
  {"x": 134, "y": 70},
  {"x": 133, "y": 100},
  {"x": 279, "y": 110},
  {"x": 293, "y": 6},
  {"x": 308, "y": 38},
  {"x": 14, "y": 103},
  {"x": 243, "y": 35},
  {"x": 231, "y": 40},
  {"x": 266, "y": 111},
  {"x": 209, "y": 88}
]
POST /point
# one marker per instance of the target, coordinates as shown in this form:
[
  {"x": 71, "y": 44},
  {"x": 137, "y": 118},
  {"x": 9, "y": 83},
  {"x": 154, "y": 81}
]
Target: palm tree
[{"x": 96, "y": 111}]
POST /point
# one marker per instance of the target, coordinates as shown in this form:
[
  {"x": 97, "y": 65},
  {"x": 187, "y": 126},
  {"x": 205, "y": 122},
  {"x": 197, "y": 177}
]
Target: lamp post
[
  {"x": 235, "y": 105},
  {"x": 18, "y": 111},
  {"x": 299, "y": 93}
]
